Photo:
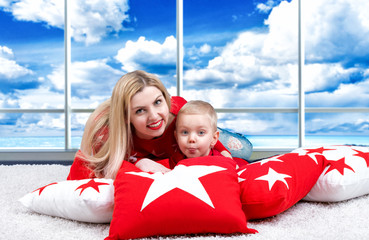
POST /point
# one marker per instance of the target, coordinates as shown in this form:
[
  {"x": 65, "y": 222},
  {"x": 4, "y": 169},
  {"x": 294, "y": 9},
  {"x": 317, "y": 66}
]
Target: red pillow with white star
[
  {"x": 87, "y": 200},
  {"x": 346, "y": 175},
  {"x": 272, "y": 185},
  {"x": 200, "y": 195}
]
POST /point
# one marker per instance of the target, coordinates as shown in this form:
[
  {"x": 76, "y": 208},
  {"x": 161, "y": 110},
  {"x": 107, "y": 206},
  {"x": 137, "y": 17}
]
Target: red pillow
[
  {"x": 272, "y": 185},
  {"x": 200, "y": 195}
]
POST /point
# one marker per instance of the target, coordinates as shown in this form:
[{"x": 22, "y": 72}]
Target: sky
[{"x": 237, "y": 54}]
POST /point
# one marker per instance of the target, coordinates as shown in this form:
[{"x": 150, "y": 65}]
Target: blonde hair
[
  {"x": 114, "y": 113},
  {"x": 200, "y": 107}
]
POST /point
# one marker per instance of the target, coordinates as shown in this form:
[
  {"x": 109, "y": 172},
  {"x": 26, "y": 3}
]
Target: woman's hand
[
  {"x": 148, "y": 165},
  {"x": 226, "y": 154}
]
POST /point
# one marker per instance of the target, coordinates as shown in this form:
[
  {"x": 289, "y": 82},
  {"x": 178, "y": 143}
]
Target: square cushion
[
  {"x": 200, "y": 195},
  {"x": 87, "y": 200},
  {"x": 272, "y": 185},
  {"x": 346, "y": 175}
]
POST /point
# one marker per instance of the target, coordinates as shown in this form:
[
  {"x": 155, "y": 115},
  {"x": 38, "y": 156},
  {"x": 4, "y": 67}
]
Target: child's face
[
  {"x": 149, "y": 113},
  {"x": 195, "y": 135}
]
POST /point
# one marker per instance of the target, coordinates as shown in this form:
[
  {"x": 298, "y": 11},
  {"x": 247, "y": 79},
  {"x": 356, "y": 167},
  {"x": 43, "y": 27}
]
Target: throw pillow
[
  {"x": 272, "y": 185},
  {"x": 87, "y": 200},
  {"x": 346, "y": 175},
  {"x": 200, "y": 195}
]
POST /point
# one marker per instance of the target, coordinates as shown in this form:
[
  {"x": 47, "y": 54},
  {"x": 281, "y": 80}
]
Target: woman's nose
[{"x": 153, "y": 114}]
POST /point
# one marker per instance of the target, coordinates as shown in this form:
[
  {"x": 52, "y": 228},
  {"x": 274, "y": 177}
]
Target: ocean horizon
[{"x": 273, "y": 141}]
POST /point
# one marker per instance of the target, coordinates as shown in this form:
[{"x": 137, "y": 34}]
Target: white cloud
[
  {"x": 39, "y": 98},
  {"x": 5, "y": 51},
  {"x": 336, "y": 30},
  {"x": 352, "y": 123},
  {"x": 285, "y": 123},
  {"x": 93, "y": 20},
  {"x": 260, "y": 124},
  {"x": 196, "y": 54},
  {"x": 2, "y": 103},
  {"x": 326, "y": 77},
  {"x": 238, "y": 98},
  {"x": 10, "y": 69},
  {"x": 5, "y": 3},
  {"x": 246, "y": 124},
  {"x": 345, "y": 95},
  {"x": 206, "y": 48},
  {"x": 89, "y": 88},
  {"x": 136, "y": 55},
  {"x": 90, "y": 20},
  {"x": 94, "y": 77},
  {"x": 243, "y": 62},
  {"x": 280, "y": 43},
  {"x": 49, "y": 11},
  {"x": 266, "y": 7},
  {"x": 48, "y": 121},
  {"x": 57, "y": 77},
  {"x": 39, "y": 125},
  {"x": 267, "y": 60}
]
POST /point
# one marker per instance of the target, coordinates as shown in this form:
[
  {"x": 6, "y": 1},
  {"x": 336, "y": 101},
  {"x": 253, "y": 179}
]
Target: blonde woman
[{"x": 136, "y": 124}]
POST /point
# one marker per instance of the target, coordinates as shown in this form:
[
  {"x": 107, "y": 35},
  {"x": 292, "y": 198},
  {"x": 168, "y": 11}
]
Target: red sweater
[{"x": 163, "y": 147}]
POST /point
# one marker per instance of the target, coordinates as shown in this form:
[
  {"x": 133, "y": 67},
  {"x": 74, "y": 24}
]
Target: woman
[{"x": 136, "y": 124}]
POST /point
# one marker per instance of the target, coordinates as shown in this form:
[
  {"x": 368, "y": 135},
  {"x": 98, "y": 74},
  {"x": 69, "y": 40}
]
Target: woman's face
[{"x": 149, "y": 113}]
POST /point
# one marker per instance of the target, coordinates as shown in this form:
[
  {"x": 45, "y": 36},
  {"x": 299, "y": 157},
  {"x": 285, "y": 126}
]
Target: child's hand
[
  {"x": 148, "y": 165},
  {"x": 226, "y": 154}
]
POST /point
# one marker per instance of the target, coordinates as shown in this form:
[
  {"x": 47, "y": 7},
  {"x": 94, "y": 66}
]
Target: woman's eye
[
  {"x": 139, "y": 111},
  {"x": 157, "y": 102}
]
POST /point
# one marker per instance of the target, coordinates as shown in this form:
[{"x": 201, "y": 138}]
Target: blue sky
[{"x": 237, "y": 54}]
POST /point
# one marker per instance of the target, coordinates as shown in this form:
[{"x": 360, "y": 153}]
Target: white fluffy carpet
[{"x": 305, "y": 220}]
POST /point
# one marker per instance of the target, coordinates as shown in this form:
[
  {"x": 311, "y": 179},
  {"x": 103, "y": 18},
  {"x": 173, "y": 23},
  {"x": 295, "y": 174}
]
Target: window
[{"x": 241, "y": 56}]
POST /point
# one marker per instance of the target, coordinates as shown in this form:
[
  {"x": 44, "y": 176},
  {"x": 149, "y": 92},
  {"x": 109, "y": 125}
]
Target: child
[{"x": 196, "y": 129}]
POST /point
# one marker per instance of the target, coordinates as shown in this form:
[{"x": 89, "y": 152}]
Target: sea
[{"x": 261, "y": 141}]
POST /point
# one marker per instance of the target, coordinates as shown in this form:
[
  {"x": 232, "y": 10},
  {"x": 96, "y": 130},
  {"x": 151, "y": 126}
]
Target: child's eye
[
  {"x": 201, "y": 132},
  {"x": 184, "y": 132}
]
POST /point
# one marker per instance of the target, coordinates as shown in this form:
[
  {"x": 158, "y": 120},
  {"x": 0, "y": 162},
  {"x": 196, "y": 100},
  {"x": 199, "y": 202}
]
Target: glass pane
[
  {"x": 78, "y": 124},
  {"x": 241, "y": 54},
  {"x": 263, "y": 129},
  {"x": 32, "y": 130},
  {"x": 31, "y": 73},
  {"x": 31, "y": 55},
  {"x": 337, "y": 53},
  {"x": 337, "y": 128},
  {"x": 105, "y": 46}
]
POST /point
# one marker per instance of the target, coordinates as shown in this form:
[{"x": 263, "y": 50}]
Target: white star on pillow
[
  {"x": 271, "y": 159},
  {"x": 272, "y": 177},
  {"x": 182, "y": 177},
  {"x": 239, "y": 174}
]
